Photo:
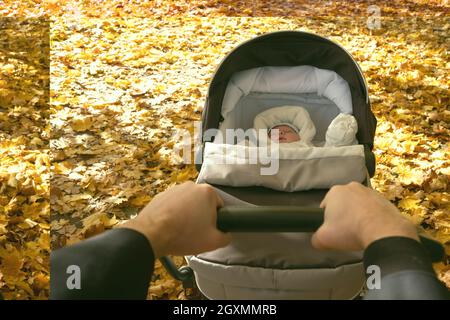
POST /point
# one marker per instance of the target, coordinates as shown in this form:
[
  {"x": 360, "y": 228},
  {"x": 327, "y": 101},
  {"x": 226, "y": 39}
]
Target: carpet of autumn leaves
[
  {"x": 90, "y": 101},
  {"x": 24, "y": 158}
]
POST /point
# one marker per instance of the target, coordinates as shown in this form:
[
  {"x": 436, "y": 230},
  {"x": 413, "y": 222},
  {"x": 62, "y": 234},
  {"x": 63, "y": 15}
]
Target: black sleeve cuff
[
  {"x": 394, "y": 254},
  {"x": 116, "y": 264}
]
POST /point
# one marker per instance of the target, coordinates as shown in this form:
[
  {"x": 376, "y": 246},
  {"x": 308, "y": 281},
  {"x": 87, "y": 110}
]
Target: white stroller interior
[{"x": 295, "y": 69}]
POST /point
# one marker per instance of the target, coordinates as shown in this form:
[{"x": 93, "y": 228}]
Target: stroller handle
[
  {"x": 278, "y": 219},
  {"x": 269, "y": 219},
  {"x": 294, "y": 219}
]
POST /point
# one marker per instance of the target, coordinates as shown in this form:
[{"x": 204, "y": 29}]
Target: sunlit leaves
[{"x": 121, "y": 87}]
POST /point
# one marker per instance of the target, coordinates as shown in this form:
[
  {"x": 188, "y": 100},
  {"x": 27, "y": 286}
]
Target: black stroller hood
[{"x": 293, "y": 48}]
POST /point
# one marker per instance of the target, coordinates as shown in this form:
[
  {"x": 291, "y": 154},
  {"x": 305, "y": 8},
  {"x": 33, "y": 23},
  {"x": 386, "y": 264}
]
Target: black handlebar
[
  {"x": 293, "y": 219},
  {"x": 269, "y": 219},
  {"x": 278, "y": 219}
]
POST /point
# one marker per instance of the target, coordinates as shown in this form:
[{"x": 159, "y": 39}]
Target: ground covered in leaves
[
  {"x": 124, "y": 80},
  {"x": 24, "y": 158}
]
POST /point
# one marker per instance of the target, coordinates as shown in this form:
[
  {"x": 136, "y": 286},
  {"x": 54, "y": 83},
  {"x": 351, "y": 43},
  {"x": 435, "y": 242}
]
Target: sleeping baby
[
  {"x": 286, "y": 133},
  {"x": 296, "y": 129},
  {"x": 293, "y": 124}
]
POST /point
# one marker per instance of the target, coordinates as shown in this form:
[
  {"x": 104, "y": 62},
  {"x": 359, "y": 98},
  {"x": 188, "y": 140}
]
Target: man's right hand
[{"x": 356, "y": 216}]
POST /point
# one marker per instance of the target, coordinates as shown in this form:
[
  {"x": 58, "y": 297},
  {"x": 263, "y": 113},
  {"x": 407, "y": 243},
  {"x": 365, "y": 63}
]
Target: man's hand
[
  {"x": 181, "y": 221},
  {"x": 356, "y": 216}
]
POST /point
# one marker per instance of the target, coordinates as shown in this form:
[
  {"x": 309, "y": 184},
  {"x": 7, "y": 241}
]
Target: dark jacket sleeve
[
  {"x": 406, "y": 270},
  {"x": 117, "y": 264}
]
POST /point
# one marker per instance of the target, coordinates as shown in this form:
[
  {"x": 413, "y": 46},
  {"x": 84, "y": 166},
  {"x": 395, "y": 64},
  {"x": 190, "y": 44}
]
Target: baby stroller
[{"x": 270, "y": 256}]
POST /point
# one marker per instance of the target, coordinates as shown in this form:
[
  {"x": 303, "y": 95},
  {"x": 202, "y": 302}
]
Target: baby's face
[{"x": 285, "y": 134}]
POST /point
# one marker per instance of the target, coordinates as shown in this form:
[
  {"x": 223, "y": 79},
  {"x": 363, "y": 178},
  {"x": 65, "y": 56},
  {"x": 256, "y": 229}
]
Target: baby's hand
[{"x": 342, "y": 131}]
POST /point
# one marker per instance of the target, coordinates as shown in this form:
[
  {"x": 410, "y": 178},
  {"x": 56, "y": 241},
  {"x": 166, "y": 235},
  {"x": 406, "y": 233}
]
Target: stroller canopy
[{"x": 293, "y": 48}]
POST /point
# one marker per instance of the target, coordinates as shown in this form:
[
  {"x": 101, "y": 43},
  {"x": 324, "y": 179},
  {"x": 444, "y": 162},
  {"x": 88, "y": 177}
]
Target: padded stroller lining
[
  {"x": 275, "y": 250},
  {"x": 323, "y": 93},
  {"x": 279, "y": 265},
  {"x": 262, "y": 196},
  {"x": 218, "y": 281},
  {"x": 278, "y": 251},
  {"x": 299, "y": 79}
]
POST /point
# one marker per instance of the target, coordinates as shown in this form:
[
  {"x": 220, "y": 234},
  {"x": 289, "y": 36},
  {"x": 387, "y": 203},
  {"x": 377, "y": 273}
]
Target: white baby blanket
[{"x": 292, "y": 169}]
